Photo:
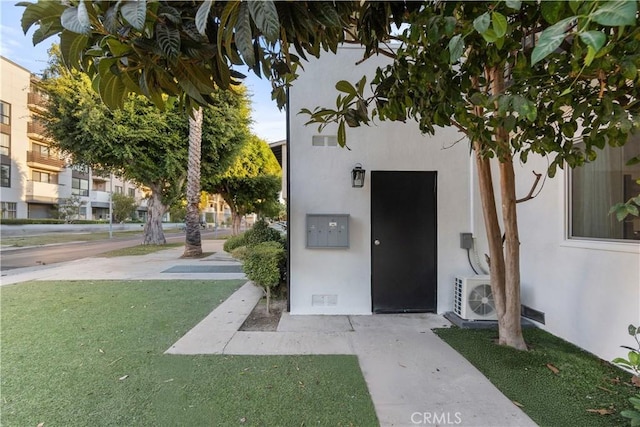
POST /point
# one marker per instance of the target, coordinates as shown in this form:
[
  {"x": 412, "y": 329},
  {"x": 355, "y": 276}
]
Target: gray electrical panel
[{"x": 327, "y": 230}]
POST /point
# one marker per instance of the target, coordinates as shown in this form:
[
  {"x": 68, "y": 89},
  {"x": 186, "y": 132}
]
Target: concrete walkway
[{"x": 414, "y": 378}]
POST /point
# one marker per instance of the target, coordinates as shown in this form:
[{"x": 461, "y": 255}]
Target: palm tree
[{"x": 193, "y": 241}]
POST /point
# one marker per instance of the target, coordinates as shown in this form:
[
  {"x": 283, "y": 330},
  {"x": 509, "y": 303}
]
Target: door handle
[{"x": 376, "y": 242}]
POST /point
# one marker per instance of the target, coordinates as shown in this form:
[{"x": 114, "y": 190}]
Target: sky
[{"x": 268, "y": 121}]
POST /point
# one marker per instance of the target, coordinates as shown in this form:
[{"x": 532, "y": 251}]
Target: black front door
[{"x": 403, "y": 246}]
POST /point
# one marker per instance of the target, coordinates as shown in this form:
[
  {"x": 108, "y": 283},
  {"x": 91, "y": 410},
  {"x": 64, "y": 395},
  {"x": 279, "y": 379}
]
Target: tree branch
[{"x": 533, "y": 187}]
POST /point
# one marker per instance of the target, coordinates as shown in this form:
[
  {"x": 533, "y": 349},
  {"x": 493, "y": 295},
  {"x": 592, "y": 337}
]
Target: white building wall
[
  {"x": 15, "y": 83},
  {"x": 320, "y": 180},
  {"x": 588, "y": 290}
]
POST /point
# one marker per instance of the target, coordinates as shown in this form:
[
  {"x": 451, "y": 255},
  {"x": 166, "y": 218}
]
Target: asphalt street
[{"x": 32, "y": 256}]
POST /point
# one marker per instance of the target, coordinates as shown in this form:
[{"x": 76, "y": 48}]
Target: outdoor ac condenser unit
[{"x": 473, "y": 299}]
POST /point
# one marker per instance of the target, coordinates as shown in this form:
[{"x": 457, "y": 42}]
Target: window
[
  {"x": 5, "y": 176},
  {"x": 47, "y": 177},
  {"x": 79, "y": 168},
  {"x": 597, "y": 186},
  {"x": 5, "y": 113},
  {"x": 132, "y": 192},
  {"x": 119, "y": 189},
  {"x": 9, "y": 210},
  {"x": 42, "y": 150},
  {"x": 5, "y": 144},
  {"x": 80, "y": 187}
]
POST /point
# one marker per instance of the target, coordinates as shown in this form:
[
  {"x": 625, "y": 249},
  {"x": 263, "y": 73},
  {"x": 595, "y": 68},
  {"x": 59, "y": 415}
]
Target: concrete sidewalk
[{"x": 414, "y": 378}]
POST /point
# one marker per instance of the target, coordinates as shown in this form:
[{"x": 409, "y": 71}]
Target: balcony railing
[
  {"x": 37, "y": 159},
  {"x": 36, "y": 130},
  {"x": 43, "y": 192},
  {"x": 36, "y": 99},
  {"x": 99, "y": 196}
]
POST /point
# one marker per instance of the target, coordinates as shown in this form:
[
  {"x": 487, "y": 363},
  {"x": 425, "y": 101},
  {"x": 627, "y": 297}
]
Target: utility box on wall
[{"x": 327, "y": 230}]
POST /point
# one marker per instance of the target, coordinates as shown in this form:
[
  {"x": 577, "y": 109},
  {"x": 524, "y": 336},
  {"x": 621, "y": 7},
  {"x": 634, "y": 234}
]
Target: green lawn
[
  {"x": 140, "y": 250},
  {"x": 583, "y": 383},
  {"x": 91, "y": 353},
  {"x": 66, "y": 237}
]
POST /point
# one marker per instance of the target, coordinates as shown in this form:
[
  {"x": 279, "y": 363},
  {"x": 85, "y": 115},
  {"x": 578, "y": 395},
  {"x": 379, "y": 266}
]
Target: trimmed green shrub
[
  {"x": 261, "y": 232},
  {"x": 234, "y": 242},
  {"x": 240, "y": 252},
  {"x": 263, "y": 263}
]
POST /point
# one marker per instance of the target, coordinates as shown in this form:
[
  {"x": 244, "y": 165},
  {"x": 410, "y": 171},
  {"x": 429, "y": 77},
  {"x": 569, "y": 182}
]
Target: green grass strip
[
  {"x": 582, "y": 384},
  {"x": 140, "y": 250},
  {"x": 79, "y": 353}
]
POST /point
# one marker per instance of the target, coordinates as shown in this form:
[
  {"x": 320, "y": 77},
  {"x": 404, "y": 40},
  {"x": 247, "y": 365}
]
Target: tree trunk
[
  {"x": 268, "y": 292},
  {"x": 153, "y": 234},
  {"x": 236, "y": 221},
  {"x": 193, "y": 241},
  {"x": 492, "y": 227},
  {"x": 510, "y": 328},
  {"x": 505, "y": 260}
]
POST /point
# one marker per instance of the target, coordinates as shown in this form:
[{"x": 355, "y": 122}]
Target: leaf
[
  {"x": 595, "y": 39},
  {"x": 346, "y": 87},
  {"x": 168, "y": 40},
  {"x": 550, "y": 39},
  {"x": 70, "y": 21},
  {"x": 342, "y": 135},
  {"x": 482, "y": 23},
  {"x": 632, "y": 330},
  {"x": 553, "y": 369},
  {"x": 39, "y": 12},
  {"x": 551, "y": 10},
  {"x": 518, "y": 404},
  {"x": 244, "y": 36},
  {"x": 202, "y": 16},
  {"x": 616, "y": 13},
  {"x": 635, "y": 380},
  {"x": 456, "y": 47},
  {"x": 135, "y": 12},
  {"x": 111, "y": 89},
  {"x": 490, "y": 36},
  {"x": 265, "y": 16},
  {"x": 514, "y": 4},
  {"x": 83, "y": 14},
  {"x": 71, "y": 47},
  {"x": 499, "y": 24},
  {"x": 591, "y": 54},
  {"x": 603, "y": 411}
]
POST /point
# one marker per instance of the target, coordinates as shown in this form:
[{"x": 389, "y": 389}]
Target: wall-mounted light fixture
[{"x": 357, "y": 176}]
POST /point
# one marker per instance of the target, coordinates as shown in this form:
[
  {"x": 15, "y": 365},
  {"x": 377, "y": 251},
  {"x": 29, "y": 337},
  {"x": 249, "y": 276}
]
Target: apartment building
[{"x": 35, "y": 180}]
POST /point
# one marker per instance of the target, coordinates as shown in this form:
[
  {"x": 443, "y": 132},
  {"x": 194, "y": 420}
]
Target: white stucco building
[
  {"x": 394, "y": 245},
  {"x": 35, "y": 179}
]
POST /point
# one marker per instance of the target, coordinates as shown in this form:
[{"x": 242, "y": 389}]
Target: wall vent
[
  {"x": 324, "y": 300},
  {"x": 532, "y": 314},
  {"x": 322, "y": 140}
]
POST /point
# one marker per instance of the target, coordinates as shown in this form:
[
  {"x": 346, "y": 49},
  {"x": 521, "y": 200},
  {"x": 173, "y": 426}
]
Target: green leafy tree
[
  {"x": 186, "y": 49},
  {"x": 69, "y": 208},
  {"x": 552, "y": 78},
  {"x": 251, "y": 184},
  {"x": 124, "y": 207},
  {"x": 139, "y": 142},
  {"x": 181, "y": 49}
]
